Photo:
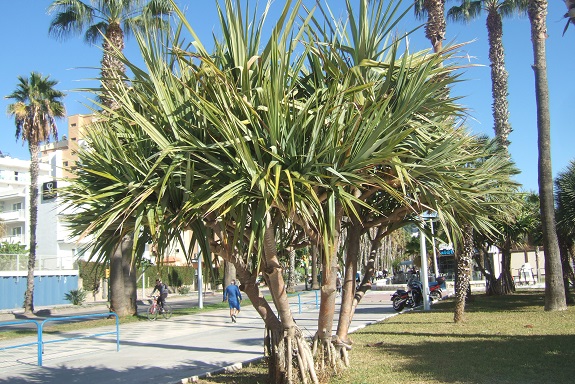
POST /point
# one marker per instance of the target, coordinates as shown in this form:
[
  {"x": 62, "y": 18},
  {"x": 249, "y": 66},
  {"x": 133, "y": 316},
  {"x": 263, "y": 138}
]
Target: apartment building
[{"x": 15, "y": 197}]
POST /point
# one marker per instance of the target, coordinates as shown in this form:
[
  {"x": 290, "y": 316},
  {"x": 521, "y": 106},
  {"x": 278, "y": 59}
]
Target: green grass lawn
[{"x": 508, "y": 339}]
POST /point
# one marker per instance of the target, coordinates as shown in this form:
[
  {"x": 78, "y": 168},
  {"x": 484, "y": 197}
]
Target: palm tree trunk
[
  {"x": 463, "y": 273},
  {"x": 499, "y": 88},
  {"x": 554, "y": 289},
  {"x": 118, "y": 296},
  {"x": 34, "y": 169},
  {"x": 130, "y": 278},
  {"x": 113, "y": 70},
  {"x": 435, "y": 26}
]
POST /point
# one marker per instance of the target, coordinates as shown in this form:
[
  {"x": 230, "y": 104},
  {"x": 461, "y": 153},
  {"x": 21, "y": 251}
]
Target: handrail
[
  {"x": 6, "y": 323},
  {"x": 40, "y": 326},
  {"x": 300, "y": 303}
]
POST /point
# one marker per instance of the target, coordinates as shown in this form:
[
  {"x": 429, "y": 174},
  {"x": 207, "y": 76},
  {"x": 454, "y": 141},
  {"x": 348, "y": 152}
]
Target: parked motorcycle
[
  {"x": 435, "y": 292},
  {"x": 412, "y": 298}
]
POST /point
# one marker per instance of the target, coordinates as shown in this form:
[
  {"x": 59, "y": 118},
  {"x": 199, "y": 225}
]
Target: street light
[{"x": 425, "y": 280}]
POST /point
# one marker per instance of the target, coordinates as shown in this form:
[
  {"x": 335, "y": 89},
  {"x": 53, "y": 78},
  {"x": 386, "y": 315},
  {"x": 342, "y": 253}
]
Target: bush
[
  {"x": 76, "y": 296},
  {"x": 183, "y": 290}
]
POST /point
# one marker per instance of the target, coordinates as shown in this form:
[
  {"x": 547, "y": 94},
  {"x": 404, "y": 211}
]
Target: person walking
[{"x": 233, "y": 296}]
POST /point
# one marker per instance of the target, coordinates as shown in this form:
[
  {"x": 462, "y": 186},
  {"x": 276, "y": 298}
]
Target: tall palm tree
[
  {"x": 435, "y": 25},
  {"x": 108, "y": 21},
  {"x": 36, "y": 106},
  {"x": 554, "y": 287},
  {"x": 496, "y": 10}
]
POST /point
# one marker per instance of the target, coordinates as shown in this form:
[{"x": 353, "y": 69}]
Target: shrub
[
  {"x": 183, "y": 290},
  {"x": 76, "y": 296}
]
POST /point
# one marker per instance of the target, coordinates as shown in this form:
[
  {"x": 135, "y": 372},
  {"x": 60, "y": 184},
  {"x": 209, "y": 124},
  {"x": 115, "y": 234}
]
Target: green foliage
[
  {"x": 174, "y": 279},
  {"x": 91, "y": 274},
  {"x": 12, "y": 248},
  {"x": 8, "y": 261},
  {"x": 76, "y": 296},
  {"x": 174, "y": 276}
]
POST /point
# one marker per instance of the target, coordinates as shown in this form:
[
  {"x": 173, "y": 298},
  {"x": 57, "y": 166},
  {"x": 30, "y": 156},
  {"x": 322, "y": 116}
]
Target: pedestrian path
[{"x": 167, "y": 351}]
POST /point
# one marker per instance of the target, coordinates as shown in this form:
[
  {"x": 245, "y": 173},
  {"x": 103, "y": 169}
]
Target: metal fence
[
  {"x": 19, "y": 263},
  {"x": 40, "y": 342}
]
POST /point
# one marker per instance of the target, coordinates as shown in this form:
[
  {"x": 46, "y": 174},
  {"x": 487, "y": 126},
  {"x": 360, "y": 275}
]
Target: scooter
[
  {"x": 412, "y": 298},
  {"x": 435, "y": 292}
]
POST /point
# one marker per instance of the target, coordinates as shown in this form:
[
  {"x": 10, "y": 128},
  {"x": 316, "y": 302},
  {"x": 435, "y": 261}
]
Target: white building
[{"x": 55, "y": 250}]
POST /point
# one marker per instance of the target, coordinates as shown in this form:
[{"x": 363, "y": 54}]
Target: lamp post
[
  {"x": 424, "y": 279},
  {"x": 435, "y": 266},
  {"x": 200, "y": 283}
]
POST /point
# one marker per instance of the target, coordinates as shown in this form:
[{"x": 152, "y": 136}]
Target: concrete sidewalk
[{"x": 166, "y": 351}]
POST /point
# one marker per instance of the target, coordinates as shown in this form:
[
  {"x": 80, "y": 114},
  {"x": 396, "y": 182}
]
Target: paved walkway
[{"x": 165, "y": 351}]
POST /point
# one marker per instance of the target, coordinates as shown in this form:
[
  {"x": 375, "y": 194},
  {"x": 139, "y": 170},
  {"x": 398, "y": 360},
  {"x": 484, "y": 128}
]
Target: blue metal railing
[
  {"x": 40, "y": 330},
  {"x": 301, "y": 303}
]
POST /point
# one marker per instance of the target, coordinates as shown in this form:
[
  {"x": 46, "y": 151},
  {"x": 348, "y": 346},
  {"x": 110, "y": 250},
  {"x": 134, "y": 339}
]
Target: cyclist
[{"x": 163, "y": 293}]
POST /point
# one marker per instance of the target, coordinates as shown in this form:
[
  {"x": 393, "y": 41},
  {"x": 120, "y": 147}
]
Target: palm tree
[
  {"x": 496, "y": 10},
  {"x": 554, "y": 287},
  {"x": 564, "y": 197},
  {"x": 108, "y": 21},
  {"x": 36, "y": 106},
  {"x": 570, "y": 14},
  {"x": 435, "y": 25}
]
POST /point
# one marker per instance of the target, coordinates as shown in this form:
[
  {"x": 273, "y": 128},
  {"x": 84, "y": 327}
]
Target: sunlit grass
[{"x": 508, "y": 339}]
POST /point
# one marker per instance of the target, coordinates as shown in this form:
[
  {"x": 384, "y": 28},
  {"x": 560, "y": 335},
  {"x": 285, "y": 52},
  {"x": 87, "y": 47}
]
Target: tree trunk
[
  {"x": 505, "y": 284},
  {"x": 129, "y": 278},
  {"x": 315, "y": 260},
  {"x": 567, "y": 270},
  {"x": 435, "y": 26},
  {"x": 229, "y": 273},
  {"x": 34, "y": 167},
  {"x": 554, "y": 288},
  {"x": 348, "y": 287},
  {"x": 113, "y": 70},
  {"x": 119, "y": 299},
  {"x": 499, "y": 88},
  {"x": 463, "y": 273},
  {"x": 287, "y": 342},
  {"x": 291, "y": 271}
]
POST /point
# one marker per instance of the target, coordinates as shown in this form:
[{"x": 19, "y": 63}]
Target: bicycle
[{"x": 154, "y": 310}]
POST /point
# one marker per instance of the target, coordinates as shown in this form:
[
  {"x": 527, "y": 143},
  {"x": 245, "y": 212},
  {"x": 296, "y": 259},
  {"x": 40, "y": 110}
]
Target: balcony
[
  {"x": 14, "y": 239},
  {"x": 13, "y": 216}
]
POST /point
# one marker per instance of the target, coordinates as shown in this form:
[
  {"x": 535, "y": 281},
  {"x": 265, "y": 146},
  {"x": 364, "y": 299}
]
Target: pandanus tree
[
  {"x": 37, "y": 105},
  {"x": 289, "y": 137}
]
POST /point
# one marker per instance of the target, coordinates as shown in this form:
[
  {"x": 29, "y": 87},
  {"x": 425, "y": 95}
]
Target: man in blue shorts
[{"x": 233, "y": 296}]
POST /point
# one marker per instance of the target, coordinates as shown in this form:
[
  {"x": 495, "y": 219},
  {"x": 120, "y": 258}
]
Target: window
[
  {"x": 15, "y": 175},
  {"x": 65, "y": 163},
  {"x": 73, "y": 124},
  {"x": 16, "y": 206},
  {"x": 17, "y": 231}
]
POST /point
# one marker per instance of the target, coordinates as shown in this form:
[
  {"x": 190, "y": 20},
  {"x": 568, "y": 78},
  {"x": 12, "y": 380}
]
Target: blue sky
[{"x": 26, "y": 47}]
